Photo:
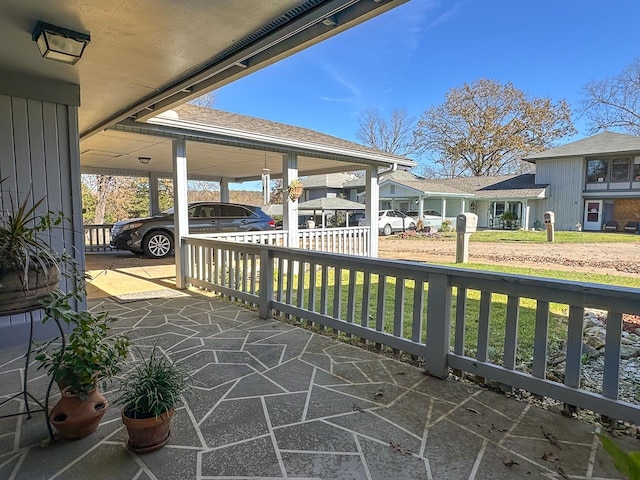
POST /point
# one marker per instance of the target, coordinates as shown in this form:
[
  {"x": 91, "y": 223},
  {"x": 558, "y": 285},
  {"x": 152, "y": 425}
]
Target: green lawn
[
  {"x": 541, "y": 237},
  {"x": 605, "y": 279}
]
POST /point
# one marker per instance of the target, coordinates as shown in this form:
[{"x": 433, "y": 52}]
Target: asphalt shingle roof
[
  {"x": 504, "y": 186},
  {"x": 330, "y": 180},
  {"x": 397, "y": 175},
  {"x": 603, "y": 143},
  {"x": 244, "y": 123}
]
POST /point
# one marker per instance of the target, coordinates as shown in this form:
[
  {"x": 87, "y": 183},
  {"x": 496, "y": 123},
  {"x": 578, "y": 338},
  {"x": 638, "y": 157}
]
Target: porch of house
[{"x": 273, "y": 400}]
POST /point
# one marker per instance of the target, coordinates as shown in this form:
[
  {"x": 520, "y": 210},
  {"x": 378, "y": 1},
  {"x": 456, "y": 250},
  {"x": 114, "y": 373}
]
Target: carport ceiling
[
  {"x": 117, "y": 153},
  {"x": 215, "y": 152},
  {"x": 146, "y": 56}
]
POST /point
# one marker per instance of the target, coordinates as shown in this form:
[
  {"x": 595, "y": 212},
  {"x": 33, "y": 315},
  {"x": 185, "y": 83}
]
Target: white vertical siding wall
[
  {"x": 39, "y": 158},
  {"x": 565, "y": 177}
]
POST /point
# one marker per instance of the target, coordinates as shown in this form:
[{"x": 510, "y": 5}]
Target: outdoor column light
[
  {"x": 144, "y": 160},
  {"x": 60, "y": 44}
]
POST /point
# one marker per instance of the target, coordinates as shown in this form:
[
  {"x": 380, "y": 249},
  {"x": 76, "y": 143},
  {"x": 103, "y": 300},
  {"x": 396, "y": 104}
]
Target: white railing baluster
[
  {"x": 612, "y": 355},
  {"x": 541, "y": 340},
  {"x": 483, "y": 326},
  {"x": 224, "y": 267},
  {"x": 511, "y": 332},
  {"x": 574, "y": 347}
]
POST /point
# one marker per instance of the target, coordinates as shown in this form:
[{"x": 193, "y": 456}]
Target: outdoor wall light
[
  {"x": 144, "y": 160},
  {"x": 331, "y": 21},
  {"x": 60, "y": 44}
]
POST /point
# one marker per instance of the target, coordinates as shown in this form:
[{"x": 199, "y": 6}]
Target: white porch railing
[
  {"x": 415, "y": 308},
  {"x": 97, "y": 237},
  {"x": 349, "y": 240}
]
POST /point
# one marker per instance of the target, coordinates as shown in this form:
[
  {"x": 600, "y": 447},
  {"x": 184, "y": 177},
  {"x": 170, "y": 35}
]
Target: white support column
[
  {"x": 289, "y": 207},
  {"x": 180, "y": 207},
  {"x": 154, "y": 203},
  {"x": 464, "y": 205},
  {"x": 527, "y": 212},
  {"x": 444, "y": 208},
  {"x": 224, "y": 190},
  {"x": 420, "y": 206},
  {"x": 372, "y": 207}
]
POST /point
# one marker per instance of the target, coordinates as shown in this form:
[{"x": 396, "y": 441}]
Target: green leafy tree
[{"x": 485, "y": 128}]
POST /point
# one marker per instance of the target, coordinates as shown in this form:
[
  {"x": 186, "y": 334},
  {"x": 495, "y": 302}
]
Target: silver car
[
  {"x": 390, "y": 221},
  {"x": 153, "y": 236}
]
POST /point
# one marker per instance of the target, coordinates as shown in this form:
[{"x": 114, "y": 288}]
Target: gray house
[{"x": 593, "y": 181}]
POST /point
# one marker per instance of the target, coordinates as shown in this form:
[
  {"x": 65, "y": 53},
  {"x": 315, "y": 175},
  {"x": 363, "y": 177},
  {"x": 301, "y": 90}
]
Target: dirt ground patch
[{"x": 606, "y": 258}]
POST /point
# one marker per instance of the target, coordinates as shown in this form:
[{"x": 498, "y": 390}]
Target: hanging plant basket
[
  {"x": 295, "y": 189},
  {"x": 18, "y": 296}
]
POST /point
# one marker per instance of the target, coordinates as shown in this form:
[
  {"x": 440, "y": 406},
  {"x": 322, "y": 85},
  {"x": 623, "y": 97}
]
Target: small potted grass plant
[{"x": 150, "y": 393}]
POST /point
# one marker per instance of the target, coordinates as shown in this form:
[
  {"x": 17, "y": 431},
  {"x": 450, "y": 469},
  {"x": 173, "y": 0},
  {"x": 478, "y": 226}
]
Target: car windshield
[{"x": 164, "y": 213}]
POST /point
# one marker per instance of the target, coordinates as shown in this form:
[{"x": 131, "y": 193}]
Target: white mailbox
[
  {"x": 466, "y": 223},
  {"x": 549, "y": 217}
]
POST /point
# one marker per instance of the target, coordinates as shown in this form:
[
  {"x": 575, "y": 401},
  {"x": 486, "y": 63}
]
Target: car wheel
[
  {"x": 157, "y": 244},
  {"x": 387, "y": 230},
  {"x": 412, "y": 226}
]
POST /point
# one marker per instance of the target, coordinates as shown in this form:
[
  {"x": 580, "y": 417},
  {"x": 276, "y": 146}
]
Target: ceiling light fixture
[
  {"x": 330, "y": 21},
  {"x": 144, "y": 160},
  {"x": 60, "y": 44}
]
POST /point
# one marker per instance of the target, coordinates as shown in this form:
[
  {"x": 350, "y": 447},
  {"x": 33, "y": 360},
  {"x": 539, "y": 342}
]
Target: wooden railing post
[
  {"x": 438, "y": 326},
  {"x": 266, "y": 284}
]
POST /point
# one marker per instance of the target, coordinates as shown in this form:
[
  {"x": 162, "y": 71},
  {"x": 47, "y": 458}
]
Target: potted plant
[
  {"x": 509, "y": 219},
  {"x": 150, "y": 393},
  {"x": 295, "y": 189},
  {"x": 90, "y": 357},
  {"x": 29, "y": 267}
]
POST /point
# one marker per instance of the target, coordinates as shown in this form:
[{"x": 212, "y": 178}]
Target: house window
[
  {"x": 597, "y": 171},
  {"x": 636, "y": 169},
  {"x": 620, "y": 170}
]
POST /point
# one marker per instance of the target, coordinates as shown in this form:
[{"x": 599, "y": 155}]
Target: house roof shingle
[
  {"x": 330, "y": 180},
  {"x": 603, "y": 143},
  {"x": 397, "y": 175},
  {"x": 252, "y": 125},
  {"x": 504, "y": 186}
]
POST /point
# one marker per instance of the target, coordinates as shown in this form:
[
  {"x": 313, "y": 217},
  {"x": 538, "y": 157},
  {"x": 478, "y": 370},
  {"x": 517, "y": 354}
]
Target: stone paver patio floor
[{"x": 276, "y": 401}]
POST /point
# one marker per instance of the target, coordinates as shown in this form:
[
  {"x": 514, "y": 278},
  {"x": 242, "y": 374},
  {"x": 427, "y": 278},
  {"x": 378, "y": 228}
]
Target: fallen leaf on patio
[
  {"x": 493, "y": 427},
  {"x": 357, "y": 408},
  {"x": 551, "y": 437},
  {"x": 379, "y": 393},
  {"x": 401, "y": 373},
  {"x": 561, "y": 471},
  {"x": 549, "y": 457},
  {"x": 400, "y": 449},
  {"x": 508, "y": 462},
  {"x": 472, "y": 410}
]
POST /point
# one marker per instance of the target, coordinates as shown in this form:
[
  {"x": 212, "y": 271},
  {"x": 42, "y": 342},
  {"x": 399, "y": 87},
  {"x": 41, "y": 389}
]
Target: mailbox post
[
  {"x": 549, "y": 223},
  {"x": 466, "y": 224}
]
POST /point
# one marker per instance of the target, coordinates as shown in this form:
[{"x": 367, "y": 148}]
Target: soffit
[{"x": 145, "y": 55}]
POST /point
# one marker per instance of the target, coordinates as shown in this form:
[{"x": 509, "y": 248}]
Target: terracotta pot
[
  {"x": 74, "y": 417},
  {"x": 148, "y": 434},
  {"x": 14, "y": 298}
]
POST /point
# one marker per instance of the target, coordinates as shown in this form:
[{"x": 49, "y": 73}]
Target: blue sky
[{"x": 412, "y": 55}]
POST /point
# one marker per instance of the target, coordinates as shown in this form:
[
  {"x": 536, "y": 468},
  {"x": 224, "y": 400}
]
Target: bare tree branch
[
  {"x": 613, "y": 103},
  {"x": 393, "y": 135}
]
